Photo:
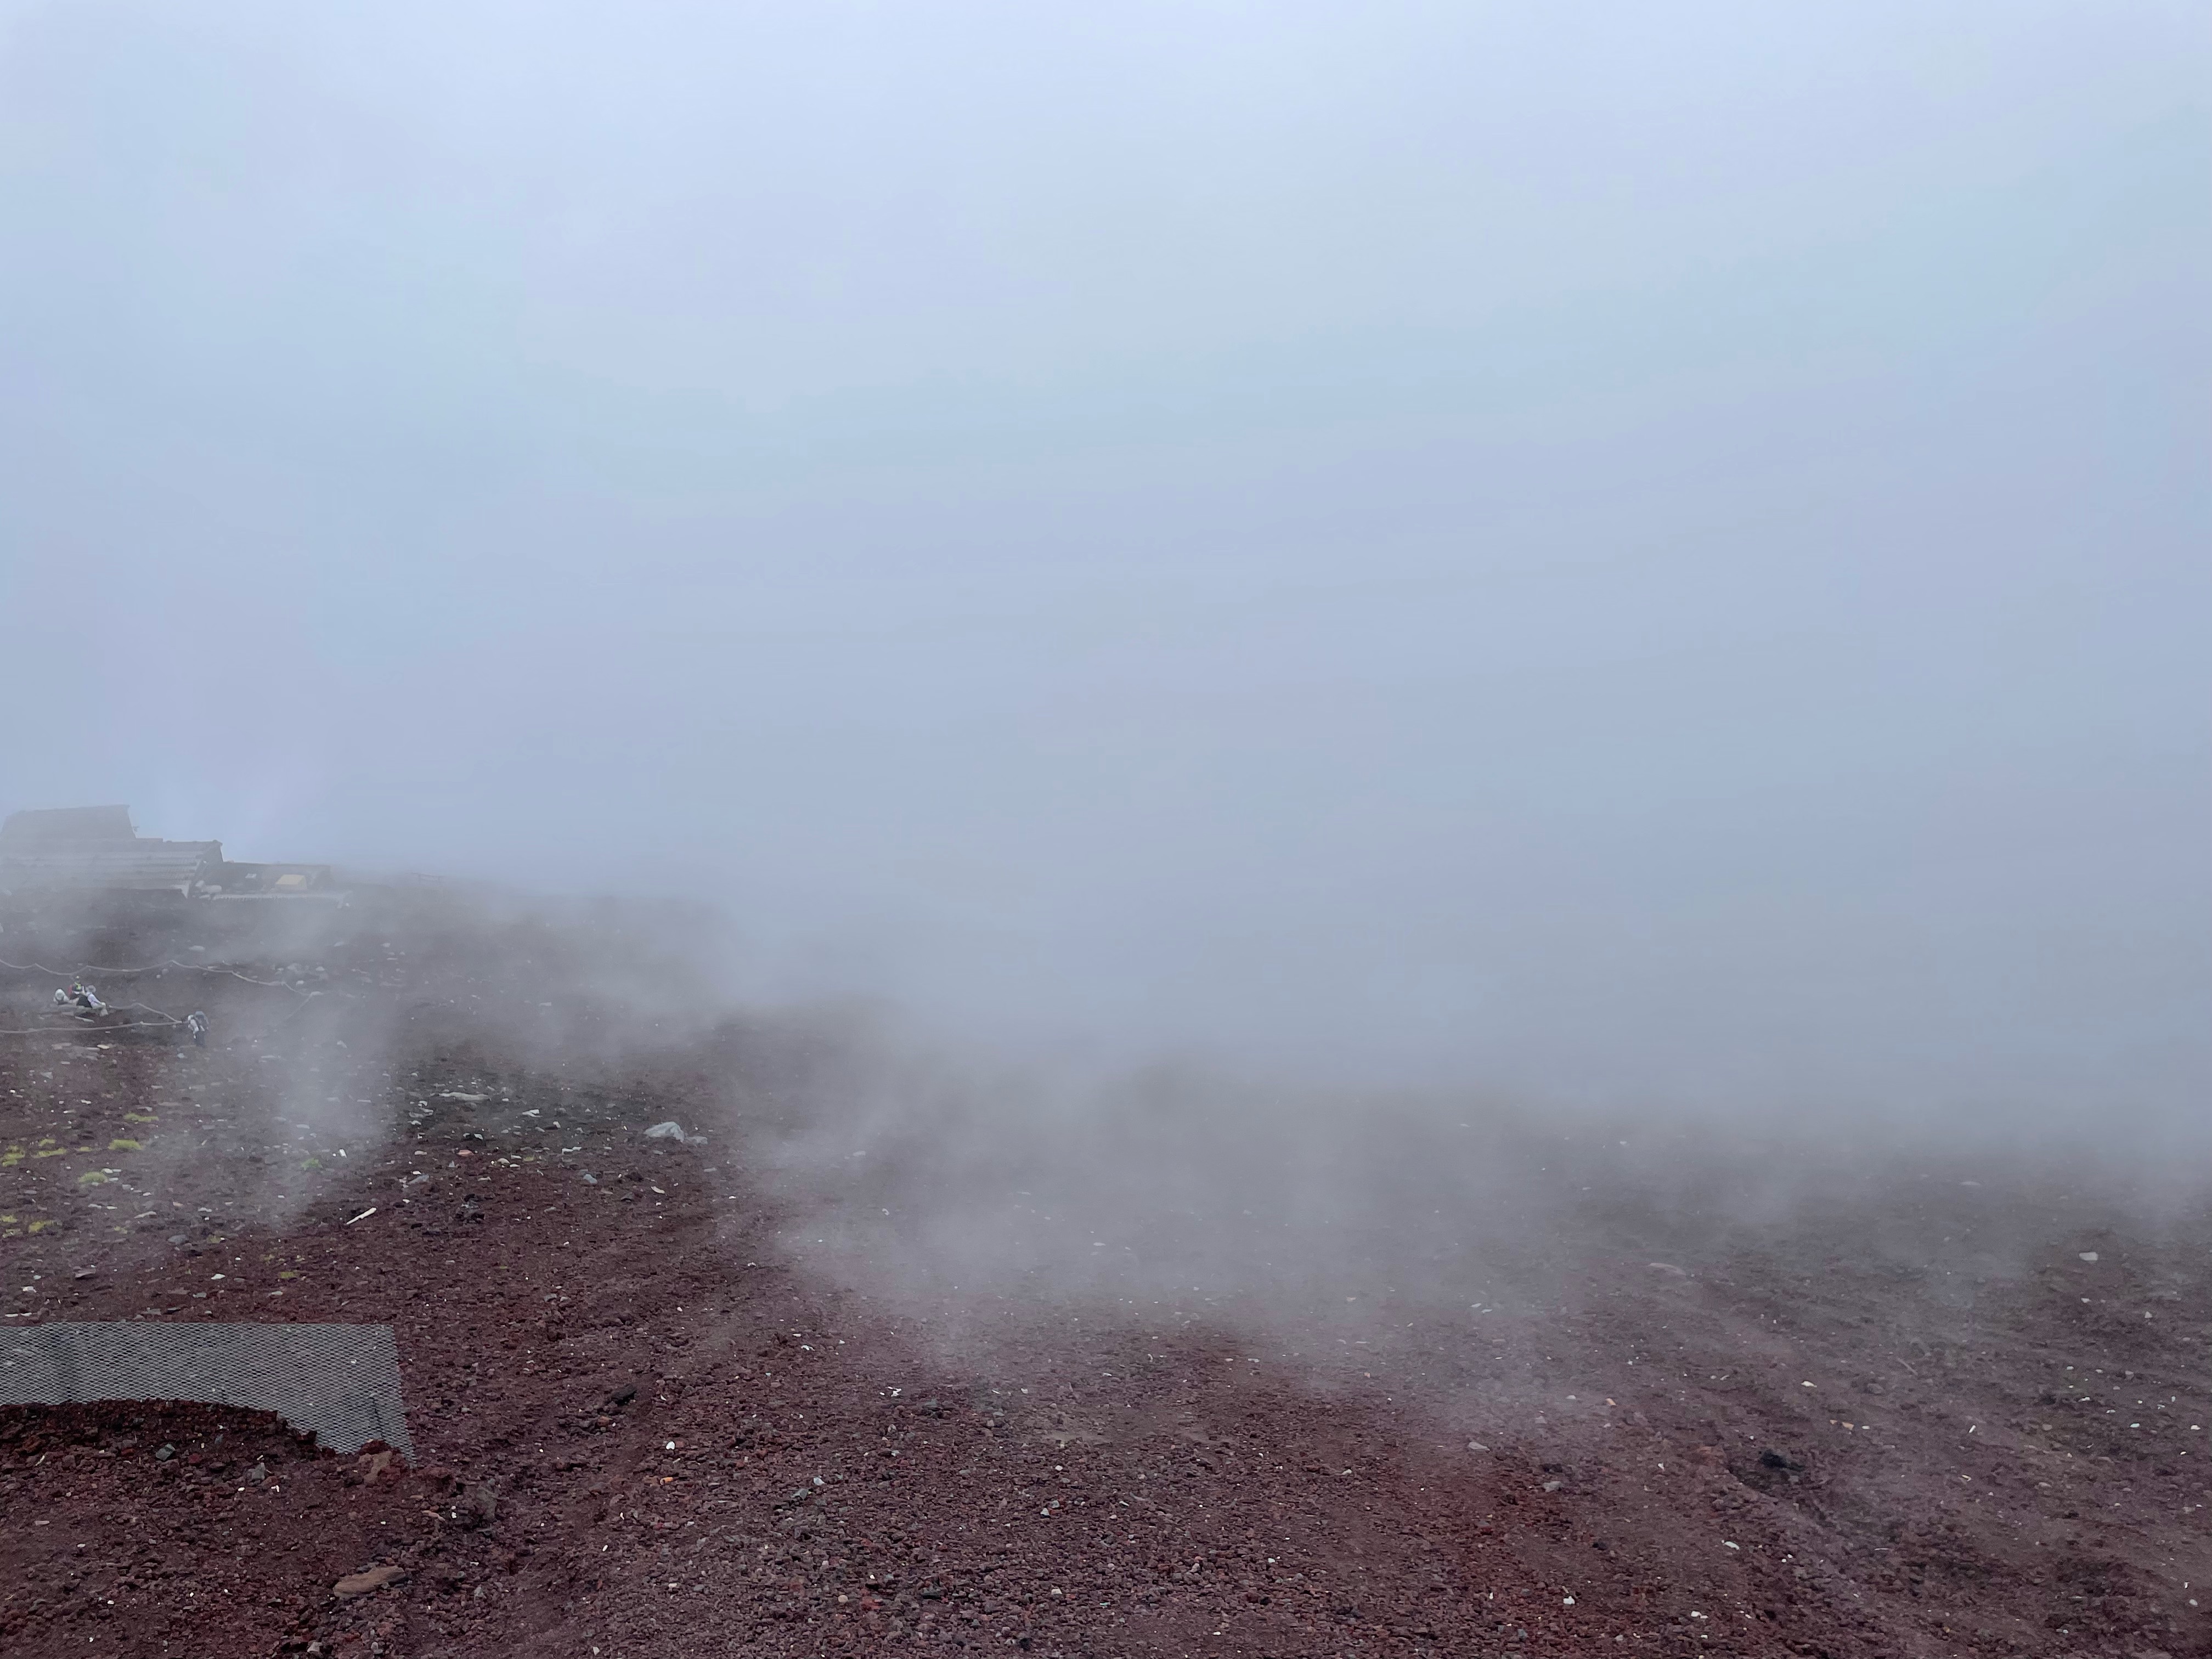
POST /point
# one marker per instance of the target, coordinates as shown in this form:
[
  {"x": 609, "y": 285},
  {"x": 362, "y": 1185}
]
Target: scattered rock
[{"x": 478, "y": 1507}]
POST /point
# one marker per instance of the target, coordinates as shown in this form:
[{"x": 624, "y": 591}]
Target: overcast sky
[{"x": 1636, "y": 552}]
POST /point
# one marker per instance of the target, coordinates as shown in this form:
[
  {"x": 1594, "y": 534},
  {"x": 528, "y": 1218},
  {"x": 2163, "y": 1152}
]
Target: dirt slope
[{"x": 647, "y": 1426}]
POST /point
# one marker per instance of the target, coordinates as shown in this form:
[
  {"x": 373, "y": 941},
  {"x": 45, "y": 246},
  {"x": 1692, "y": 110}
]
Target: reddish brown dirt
[{"x": 644, "y": 1430}]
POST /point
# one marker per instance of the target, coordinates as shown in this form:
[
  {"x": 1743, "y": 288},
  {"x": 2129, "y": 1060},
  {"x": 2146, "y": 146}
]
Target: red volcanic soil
[{"x": 645, "y": 1429}]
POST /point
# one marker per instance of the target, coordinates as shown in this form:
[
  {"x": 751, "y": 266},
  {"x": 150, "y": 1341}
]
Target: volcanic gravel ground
[{"x": 646, "y": 1428}]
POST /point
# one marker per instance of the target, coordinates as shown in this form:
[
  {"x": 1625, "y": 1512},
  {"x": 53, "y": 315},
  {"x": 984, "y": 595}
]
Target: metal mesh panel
[{"x": 339, "y": 1382}]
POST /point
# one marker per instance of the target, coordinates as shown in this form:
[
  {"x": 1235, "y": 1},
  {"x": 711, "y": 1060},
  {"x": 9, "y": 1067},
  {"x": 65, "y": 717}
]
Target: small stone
[
  {"x": 368, "y": 1583},
  {"x": 166, "y": 1453}
]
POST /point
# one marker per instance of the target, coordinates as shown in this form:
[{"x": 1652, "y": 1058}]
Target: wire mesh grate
[{"x": 339, "y": 1382}]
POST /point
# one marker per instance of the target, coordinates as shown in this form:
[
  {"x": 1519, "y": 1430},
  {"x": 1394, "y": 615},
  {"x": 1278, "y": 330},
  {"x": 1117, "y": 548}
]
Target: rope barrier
[
  {"x": 94, "y": 1031},
  {"x": 154, "y": 967}
]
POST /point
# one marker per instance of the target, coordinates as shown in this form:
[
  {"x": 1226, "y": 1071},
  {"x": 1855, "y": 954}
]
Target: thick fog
[{"x": 1652, "y": 556}]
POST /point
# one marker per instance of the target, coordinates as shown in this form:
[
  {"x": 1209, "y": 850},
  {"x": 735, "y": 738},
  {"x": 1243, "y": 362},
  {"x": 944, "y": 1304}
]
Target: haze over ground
[{"x": 1654, "y": 556}]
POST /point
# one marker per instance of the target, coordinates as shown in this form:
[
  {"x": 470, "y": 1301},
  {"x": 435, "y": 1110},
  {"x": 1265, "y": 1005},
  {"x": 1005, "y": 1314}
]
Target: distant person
[{"x": 80, "y": 995}]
